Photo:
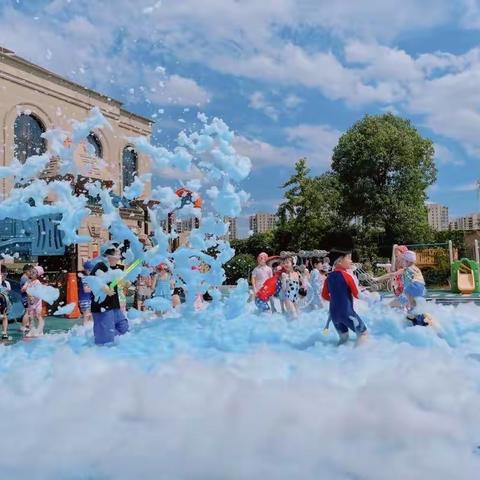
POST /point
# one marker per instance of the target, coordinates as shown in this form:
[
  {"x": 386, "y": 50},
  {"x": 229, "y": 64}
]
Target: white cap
[{"x": 409, "y": 256}]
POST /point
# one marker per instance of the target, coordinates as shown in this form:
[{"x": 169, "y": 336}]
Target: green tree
[
  {"x": 310, "y": 211},
  {"x": 384, "y": 167},
  {"x": 240, "y": 266},
  {"x": 260, "y": 242}
]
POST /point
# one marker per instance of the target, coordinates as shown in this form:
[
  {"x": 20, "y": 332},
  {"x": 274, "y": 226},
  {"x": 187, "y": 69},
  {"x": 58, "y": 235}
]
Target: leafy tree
[
  {"x": 384, "y": 167},
  {"x": 260, "y": 242},
  {"x": 240, "y": 266},
  {"x": 310, "y": 211},
  {"x": 240, "y": 245}
]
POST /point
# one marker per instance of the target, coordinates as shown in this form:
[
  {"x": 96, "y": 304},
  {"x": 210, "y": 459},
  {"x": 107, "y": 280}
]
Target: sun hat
[
  {"x": 409, "y": 256},
  {"x": 40, "y": 271}
]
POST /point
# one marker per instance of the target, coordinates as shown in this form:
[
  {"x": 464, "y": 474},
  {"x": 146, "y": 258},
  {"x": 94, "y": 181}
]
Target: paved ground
[{"x": 52, "y": 325}]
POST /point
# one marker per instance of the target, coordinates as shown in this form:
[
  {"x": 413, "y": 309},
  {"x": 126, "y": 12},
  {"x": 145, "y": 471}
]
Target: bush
[{"x": 240, "y": 266}]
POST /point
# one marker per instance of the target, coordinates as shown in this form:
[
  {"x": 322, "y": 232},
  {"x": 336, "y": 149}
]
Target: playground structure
[{"x": 464, "y": 272}]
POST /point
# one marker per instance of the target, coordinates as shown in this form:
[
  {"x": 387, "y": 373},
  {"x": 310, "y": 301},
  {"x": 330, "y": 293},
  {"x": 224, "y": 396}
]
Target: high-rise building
[
  {"x": 438, "y": 216},
  {"x": 467, "y": 222},
  {"x": 262, "y": 222},
  {"x": 232, "y": 228}
]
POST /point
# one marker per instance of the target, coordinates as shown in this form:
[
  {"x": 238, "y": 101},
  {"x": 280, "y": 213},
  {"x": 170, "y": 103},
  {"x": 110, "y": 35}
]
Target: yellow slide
[{"x": 465, "y": 280}]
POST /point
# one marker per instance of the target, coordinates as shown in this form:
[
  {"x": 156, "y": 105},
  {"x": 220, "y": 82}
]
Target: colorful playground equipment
[
  {"x": 464, "y": 277},
  {"x": 464, "y": 272}
]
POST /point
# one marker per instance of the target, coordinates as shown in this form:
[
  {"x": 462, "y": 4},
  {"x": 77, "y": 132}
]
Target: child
[
  {"x": 413, "y": 289},
  {"x": 269, "y": 289},
  {"x": 108, "y": 318},
  {"x": 85, "y": 293},
  {"x": 27, "y": 270},
  {"x": 5, "y": 304},
  {"x": 260, "y": 274},
  {"x": 340, "y": 288},
  {"x": 35, "y": 305},
  {"x": 290, "y": 287},
  {"x": 317, "y": 279},
  {"x": 163, "y": 283}
]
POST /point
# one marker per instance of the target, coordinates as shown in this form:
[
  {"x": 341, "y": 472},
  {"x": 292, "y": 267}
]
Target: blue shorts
[
  {"x": 415, "y": 289},
  {"x": 108, "y": 324},
  {"x": 353, "y": 323},
  {"x": 262, "y": 305},
  {"x": 85, "y": 305}
]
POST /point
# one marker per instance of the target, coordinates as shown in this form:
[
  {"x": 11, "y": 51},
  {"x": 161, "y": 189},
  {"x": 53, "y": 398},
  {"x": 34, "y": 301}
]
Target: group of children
[{"x": 332, "y": 280}]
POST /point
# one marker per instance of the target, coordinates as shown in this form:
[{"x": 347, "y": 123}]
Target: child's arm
[
  {"x": 387, "y": 276},
  {"x": 284, "y": 281}
]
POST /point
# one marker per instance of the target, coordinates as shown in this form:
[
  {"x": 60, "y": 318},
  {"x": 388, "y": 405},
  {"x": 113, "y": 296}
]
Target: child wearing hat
[
  {"x": 339, "y": 289},
  {"x": 413, "y": 289},
  {"x": 108, "y": 318}
]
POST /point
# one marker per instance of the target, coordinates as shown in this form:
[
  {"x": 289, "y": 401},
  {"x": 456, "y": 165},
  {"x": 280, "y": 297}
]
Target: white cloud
[
  {"x": 315, "y": 142},
  {"x": 468, "y": 187},
  {"x": 292, "y": 101},
  {"x": 445, "y": 156},
  {"x": 165, "y": 89},
  {"x": 259, "y": 102}
]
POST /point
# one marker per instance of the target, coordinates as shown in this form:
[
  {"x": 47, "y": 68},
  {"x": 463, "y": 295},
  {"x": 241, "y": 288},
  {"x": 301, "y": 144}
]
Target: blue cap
[{"x": 88, "y": 265}]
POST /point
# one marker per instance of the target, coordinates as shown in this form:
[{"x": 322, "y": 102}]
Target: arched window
[
  {"x": 27, "y": 135},
  {"x": 94, "y": 146},
  {"x": 129, "y": 165}
]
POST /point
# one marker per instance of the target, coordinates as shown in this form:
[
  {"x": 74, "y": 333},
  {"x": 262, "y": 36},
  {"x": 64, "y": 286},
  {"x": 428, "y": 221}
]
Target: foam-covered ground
[{"x": 247, "y": 398}]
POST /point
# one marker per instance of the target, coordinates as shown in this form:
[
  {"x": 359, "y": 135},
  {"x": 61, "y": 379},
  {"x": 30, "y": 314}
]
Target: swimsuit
[{"x": 291, "y": 292}]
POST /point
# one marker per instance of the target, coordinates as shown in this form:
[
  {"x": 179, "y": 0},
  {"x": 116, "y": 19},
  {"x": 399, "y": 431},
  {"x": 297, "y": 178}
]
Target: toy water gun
[
  {"x": 131, "y": 267},
  {"x": 325, "y": 330}
]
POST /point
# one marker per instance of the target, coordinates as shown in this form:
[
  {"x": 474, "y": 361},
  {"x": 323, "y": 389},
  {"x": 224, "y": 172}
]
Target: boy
[
  {"x": 108, "y": 318},
  {"x": 5, "y": 289},
  {"x": 339, "y": 289},
  {"x": 85, "y": 292},
  {"x": 413, "y": 289}
]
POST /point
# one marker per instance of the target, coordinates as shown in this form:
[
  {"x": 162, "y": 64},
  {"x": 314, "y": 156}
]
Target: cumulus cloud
[{"x": 259, "y": 102}]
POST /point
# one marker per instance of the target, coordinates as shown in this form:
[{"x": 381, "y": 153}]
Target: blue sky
[{"x": 289, "y": 76}]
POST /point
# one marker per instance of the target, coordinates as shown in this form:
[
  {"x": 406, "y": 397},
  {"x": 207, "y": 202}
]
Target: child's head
[
  {"x": 324, "y": 268},
  {"x": 4, "y": 271},
  {"x": 27, "y": 269},
  {"x": 112, "y": 253},
  {"x": 287, "y": 264},
  {"x": 36, "y": 272},
  {"x": 326, "y": 260},
  {"x": 88, "y": 266},
  {"x": 262, "y": 259},
  {"x": 409, "y": 258},
  {"x": 317, "y": 263},
  {"x": 341, "y": 259}
]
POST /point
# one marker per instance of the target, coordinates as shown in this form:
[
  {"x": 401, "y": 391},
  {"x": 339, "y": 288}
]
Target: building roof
[{"x": 8, "y": 56}]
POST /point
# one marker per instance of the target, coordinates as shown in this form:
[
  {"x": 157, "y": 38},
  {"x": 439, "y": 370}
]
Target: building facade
[
  {"x": 33, "y": 100},
  {"x": 438, "y": 216},
  {"x": 232, "y": 228},
  {"x": 262, "y": 222},
  {"x": 467, "y": 222}
]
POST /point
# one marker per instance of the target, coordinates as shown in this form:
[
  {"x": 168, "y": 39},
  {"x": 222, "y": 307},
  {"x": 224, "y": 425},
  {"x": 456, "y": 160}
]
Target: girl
[
  {"x": 5, "y": 305},
  {"x": 290, "y": 287},
  {"x": 163, "y": 283},
  {"x": 317, "y": 279},
  {"x": 35, "y": 306}
]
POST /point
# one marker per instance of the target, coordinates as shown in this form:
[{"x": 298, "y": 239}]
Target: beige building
[
  {"x": 438, "y": 216},
  {"x": 33, "y": 100},
  {"x": 232, "y": 228},
  {"x": 262, "y": 222},
  {"x": 467, "y": 222}
]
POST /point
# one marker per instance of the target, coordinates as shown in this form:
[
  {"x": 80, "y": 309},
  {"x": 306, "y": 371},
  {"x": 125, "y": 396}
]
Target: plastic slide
[{"x": 465, "y": 280}]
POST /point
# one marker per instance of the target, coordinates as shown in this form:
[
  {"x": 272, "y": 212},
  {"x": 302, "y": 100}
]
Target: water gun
[{"x": 131, "y": 267}]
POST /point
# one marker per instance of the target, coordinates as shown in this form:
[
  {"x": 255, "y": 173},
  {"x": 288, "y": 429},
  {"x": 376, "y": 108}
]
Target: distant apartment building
[
  {"x": 232, "y": 228},
  {"x": 467, "y": 222},
  {"x": 262, "y": 222},
  {"x": 438, "y": 216}
]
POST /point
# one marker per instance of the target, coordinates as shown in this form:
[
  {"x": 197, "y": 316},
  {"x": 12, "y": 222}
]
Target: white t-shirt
[{"x": 260, "y": 275}]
